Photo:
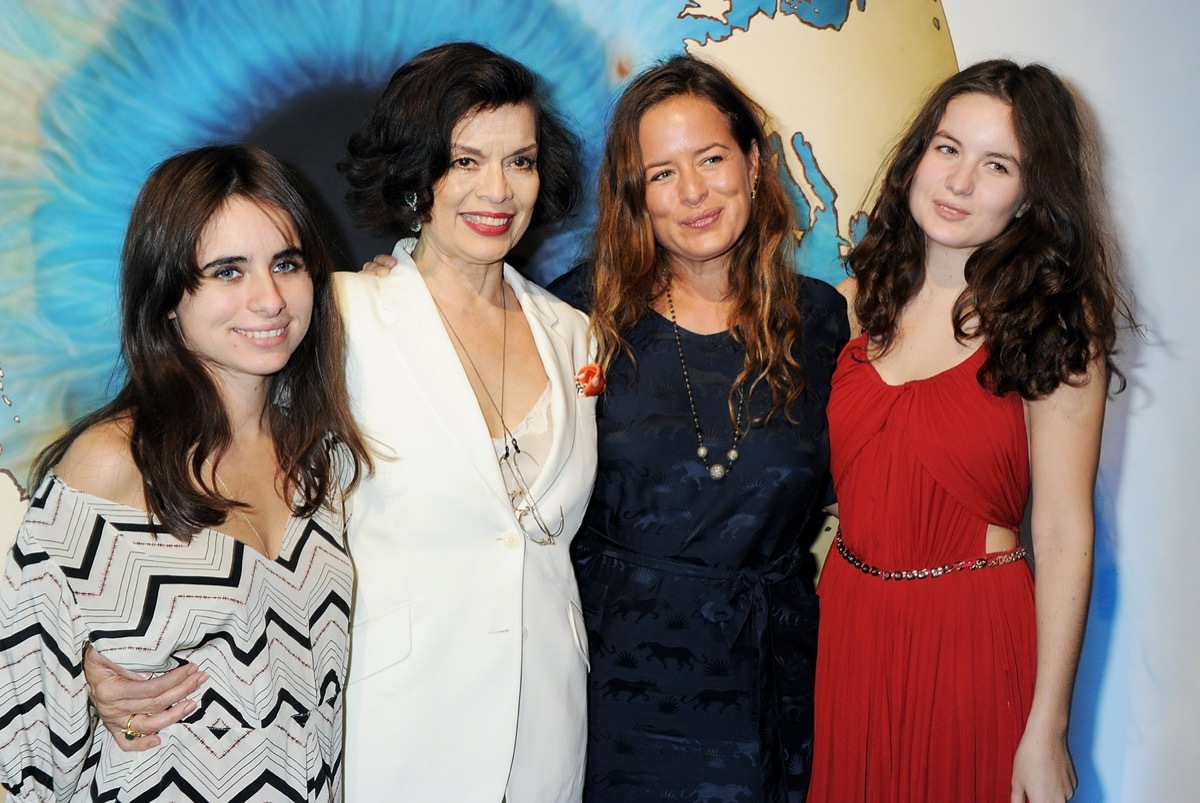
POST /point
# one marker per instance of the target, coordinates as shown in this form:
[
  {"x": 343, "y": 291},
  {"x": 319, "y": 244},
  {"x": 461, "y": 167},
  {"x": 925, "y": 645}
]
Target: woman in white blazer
[
  {"x": 469, "y": 656},
  {"x": 468, "y": 652},
  {"x": 468, "y": 667}
]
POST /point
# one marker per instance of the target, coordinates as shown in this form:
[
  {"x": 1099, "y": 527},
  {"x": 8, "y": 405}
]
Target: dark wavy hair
[
  {"x": 629, "y": 269},
  {"x": 177, "y": 418},
  {"x": 403, "y": 148},
  {"x": 1044, "y": 294}
]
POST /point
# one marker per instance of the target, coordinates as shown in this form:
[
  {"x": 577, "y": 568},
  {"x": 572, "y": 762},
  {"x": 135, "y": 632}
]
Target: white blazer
[{"x": 468, "y": 653}]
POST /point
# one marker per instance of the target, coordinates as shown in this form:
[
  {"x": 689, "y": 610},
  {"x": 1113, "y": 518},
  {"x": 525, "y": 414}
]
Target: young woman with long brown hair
[
  {"x": 987, "y": 303},
  {"x": 197, "y": 518},
  {"x": 693, "y": 562}
]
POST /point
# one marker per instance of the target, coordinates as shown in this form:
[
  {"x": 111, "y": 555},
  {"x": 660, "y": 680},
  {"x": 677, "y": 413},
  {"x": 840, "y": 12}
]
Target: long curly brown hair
[
  {"x": 1044, "y": 294},
  {"x": 629, "y": 269}
]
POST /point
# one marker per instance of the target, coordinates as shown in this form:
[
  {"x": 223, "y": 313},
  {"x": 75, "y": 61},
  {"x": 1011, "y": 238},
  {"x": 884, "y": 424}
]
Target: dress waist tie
[{"x": 738, "y": 602}]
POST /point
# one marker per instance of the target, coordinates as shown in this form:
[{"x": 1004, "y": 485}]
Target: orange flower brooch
[{"x": 589, "y": 381}]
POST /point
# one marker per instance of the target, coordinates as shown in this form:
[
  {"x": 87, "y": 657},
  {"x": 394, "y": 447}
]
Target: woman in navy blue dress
[{"x": 693, "y": 563}]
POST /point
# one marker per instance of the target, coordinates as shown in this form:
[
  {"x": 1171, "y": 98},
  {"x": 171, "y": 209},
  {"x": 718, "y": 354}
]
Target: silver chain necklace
[{"x": 715, "y": 470}]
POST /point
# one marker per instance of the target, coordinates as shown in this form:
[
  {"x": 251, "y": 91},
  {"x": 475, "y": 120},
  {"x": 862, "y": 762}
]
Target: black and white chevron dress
[{"x": 272, "y": 636}]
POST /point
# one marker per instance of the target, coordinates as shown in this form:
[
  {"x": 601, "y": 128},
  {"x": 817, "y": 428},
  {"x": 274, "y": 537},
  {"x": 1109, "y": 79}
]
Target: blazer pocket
[
  {"x": 586, "y": 407},
  {"x": 579, "y": 631},
  {"x": 379, "y": 643}
]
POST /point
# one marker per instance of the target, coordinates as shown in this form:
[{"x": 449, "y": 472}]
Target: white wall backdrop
[{"x": 1137, "y": 65}]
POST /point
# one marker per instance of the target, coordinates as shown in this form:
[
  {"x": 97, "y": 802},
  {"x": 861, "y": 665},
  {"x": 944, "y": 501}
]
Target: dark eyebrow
[
  {"x": 997, "y": 154},
  {"x": 456, "y": 149},
  {"x": 944, "y": 135},
  {"x": 696, "y": 152},
  {"x": 221, "y": 262}
]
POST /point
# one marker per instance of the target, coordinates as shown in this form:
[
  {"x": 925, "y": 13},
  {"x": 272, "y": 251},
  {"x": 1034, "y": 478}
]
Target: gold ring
[{"x": 130, "y": 733}]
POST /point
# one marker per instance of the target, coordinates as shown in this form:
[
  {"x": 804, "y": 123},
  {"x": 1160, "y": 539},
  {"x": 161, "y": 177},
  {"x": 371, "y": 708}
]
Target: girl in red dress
[{"x": 986, "y": 301}]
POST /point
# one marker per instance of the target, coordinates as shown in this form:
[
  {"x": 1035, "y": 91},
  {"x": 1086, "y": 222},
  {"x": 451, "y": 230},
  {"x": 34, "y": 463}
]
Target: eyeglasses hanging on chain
[{"x": 523, "y": 502}]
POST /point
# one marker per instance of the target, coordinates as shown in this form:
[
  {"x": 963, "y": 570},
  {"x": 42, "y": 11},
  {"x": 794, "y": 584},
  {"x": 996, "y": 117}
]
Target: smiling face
[
  {"x": 967, "y": 187},
  {"x": 483, "y": 204},
  {"x": 254, "y": 301},
  {"x": 698, "y": 181}
]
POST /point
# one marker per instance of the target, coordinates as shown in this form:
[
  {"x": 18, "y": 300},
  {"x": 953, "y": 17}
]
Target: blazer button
[{"x": 511, "y": 540}]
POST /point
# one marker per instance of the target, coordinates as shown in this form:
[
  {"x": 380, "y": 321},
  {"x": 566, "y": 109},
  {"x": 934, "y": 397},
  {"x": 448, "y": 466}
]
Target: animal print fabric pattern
[
  {"x": 271, "y": 634},
  {"x": 697, "y": 593}
]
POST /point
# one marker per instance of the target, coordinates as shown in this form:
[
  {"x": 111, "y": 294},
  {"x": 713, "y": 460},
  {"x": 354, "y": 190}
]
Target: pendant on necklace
[{"x": 716, "y": 471}]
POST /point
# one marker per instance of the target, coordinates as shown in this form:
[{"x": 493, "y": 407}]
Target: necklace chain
[
  {"x": 715, "y": 470},
  {"x": 506, "y": 432},
  {"x": 522, "y": 492},
  {"x": 225, "y": 488}
]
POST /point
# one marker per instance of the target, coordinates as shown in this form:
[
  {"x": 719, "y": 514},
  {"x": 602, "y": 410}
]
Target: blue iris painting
[{"x": 97, "y": 92}]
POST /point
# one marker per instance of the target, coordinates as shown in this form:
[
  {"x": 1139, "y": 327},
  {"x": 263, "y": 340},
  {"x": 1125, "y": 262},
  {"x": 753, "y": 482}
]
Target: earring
[
  {"x": 753, "y": 194},
  {"x": 410, "y": 200}
]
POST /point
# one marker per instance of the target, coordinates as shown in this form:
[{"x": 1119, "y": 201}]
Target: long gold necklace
[
  {"x": 229, "y": 495},
  {"x": 522, "y": 498},
  {"x": 506, "y": 433}
]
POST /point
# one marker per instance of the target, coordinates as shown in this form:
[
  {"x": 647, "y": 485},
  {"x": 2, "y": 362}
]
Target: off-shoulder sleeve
[{"x": 45, "y": 727}]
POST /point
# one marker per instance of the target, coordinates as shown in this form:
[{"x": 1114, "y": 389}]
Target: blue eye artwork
[{"x": 97, "y": 94}]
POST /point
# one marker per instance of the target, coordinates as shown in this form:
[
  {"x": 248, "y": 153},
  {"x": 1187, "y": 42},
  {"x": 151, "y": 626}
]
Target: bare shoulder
[
  {"x": 1079, "y": 403},
  {"x": 100, "y": 463},
  {"x": 848, "y": 287}
]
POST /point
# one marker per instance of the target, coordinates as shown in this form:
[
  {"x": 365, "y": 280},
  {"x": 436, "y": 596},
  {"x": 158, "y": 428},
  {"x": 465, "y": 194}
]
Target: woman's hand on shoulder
[
  {"x": 125, "y": 699},
  {"x": 100, "y": 463},
  {"x": 1042, "y": 769},
  {"x": 380, "y": 265}
]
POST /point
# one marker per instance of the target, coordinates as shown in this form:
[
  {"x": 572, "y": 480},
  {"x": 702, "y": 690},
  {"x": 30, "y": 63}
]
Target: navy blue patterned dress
[{"x": 698, "y": 593}]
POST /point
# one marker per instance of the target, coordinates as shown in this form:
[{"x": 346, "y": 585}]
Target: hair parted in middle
[
  {"x": 1045, "y": 292},
  {"x": 629, "y": 268},
  {"x": 403, "y": 148}
]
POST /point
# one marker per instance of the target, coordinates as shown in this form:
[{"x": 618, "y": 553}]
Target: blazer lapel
[
  {"x": 557, "y": 359},
  {"x": 423, "y": 343}
]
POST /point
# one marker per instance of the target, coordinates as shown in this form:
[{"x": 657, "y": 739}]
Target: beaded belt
[{"x": 922, "y": 574}]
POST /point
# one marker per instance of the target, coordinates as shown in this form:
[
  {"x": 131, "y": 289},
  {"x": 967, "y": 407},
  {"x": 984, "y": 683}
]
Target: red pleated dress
[{"x": 923, "y": 685}]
